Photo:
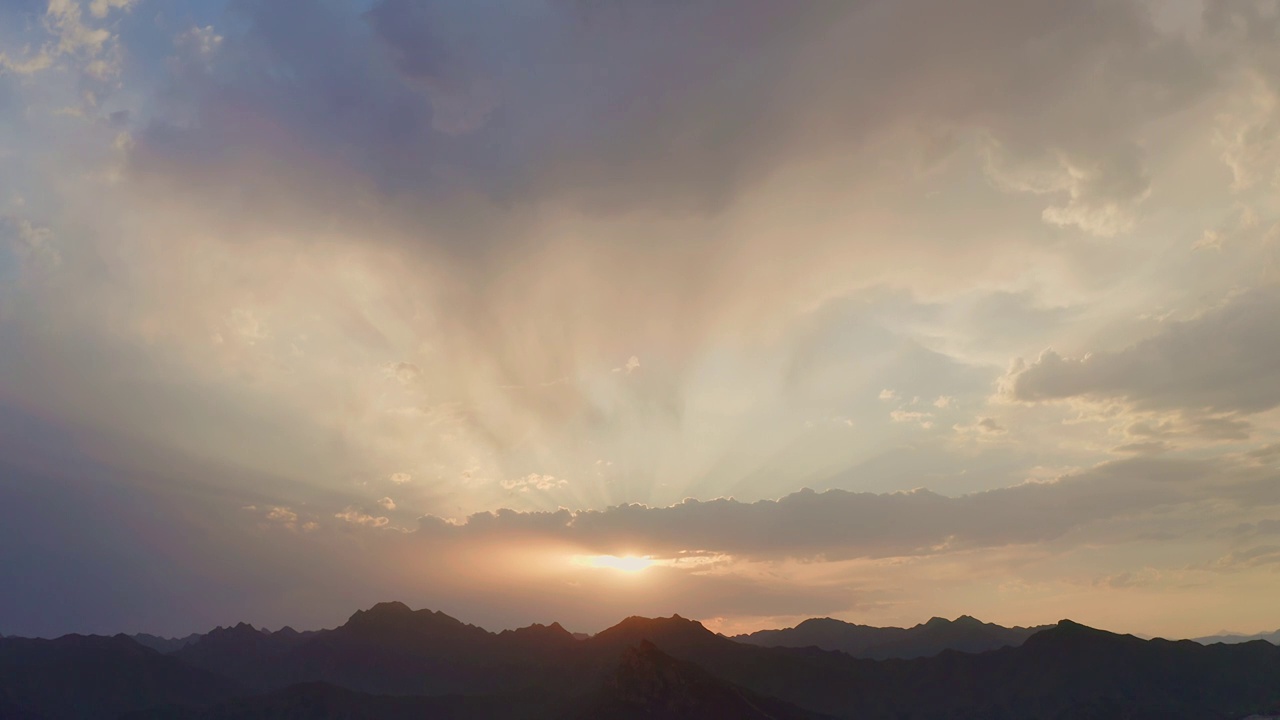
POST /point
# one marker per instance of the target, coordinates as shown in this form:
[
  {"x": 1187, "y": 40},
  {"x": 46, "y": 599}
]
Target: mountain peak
[
  {"x": 381, "y": 613},
  {"x": 396, "y": 620},
  {"x": 821, "y": 621},
  {"x": 239, "y": 630},
  {"x": 391, "y": 607},
  {"x": 538, "y": 631},
  {"x": 673, "y": 629},
  {"x": 1071, "y": 632},
  {"x": 1067, "y": 627}
]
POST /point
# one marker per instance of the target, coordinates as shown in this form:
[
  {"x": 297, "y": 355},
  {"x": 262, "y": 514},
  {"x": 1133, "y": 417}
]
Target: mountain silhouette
[
  {"x": 965, "y": 634},
  {"x": 391, "y": 662}
]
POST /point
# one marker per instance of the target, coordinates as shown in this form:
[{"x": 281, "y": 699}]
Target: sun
[{"x": 627, "y": 563}]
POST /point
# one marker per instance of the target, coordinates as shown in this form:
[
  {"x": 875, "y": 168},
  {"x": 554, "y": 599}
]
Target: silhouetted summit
[
  {"x": 674, "y": 631},
  {"x": 535, "y": 637},
  {"x": 394, "y": 618}
]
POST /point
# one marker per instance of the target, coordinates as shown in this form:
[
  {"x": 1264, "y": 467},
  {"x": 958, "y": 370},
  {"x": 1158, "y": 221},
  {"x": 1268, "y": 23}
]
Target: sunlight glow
[{"x": 629, "y": 563}]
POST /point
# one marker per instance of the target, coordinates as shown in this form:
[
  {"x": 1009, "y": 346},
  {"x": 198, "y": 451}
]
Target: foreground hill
[
  {"x": 322, "y": 701},
  {"x": 645, "y": 683},
  {"x": 965, "y": 634},
  {"x": 392, "y": 662}
]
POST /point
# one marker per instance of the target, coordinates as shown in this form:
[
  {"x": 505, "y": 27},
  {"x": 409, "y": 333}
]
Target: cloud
[
  {"x": 1267, "y": 453},
  {"x": 1211, "y": 240},
  {"x": 28, "y": 64},
  {"x": 1150, "y": 447},
  {"x": 989, "y": 425},
  {"x": 400, "y": 478},
  {"x": 101, "y": 8},
  {"x": 1129, "y": 579},
  {"x": 34, "y": 246},
  {"x": 407, "y": 373},
  {"x": 632, "y": 364},
  {"x": 424, "y": 113},
  {"x": 282, "y": 515},
  {"x": 1102, "y": 192},
  {"x": 982, "y": 427},
  {"x": 923, "y": 419},
  {"x": 534, "y": 481},
  {"x": 355, "y": 516},
  {"x": 387, "y": 503},
  {"x": 1253, "y": 529},
  {"x": 838, "y": 524},
  {"x": 370, "y": 190},
  {"x": 1247, "y": 123},
  {"x": 1220, "y": 361},
  {"x": 96, "y": 49},
  {"x": 1257, "y": 556}
]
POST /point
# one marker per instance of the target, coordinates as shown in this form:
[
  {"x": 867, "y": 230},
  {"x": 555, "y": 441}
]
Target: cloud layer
[{"x": 433, "y": 296}]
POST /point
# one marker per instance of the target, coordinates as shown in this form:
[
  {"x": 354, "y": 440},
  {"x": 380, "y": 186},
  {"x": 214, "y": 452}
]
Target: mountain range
[
  {"x": 1231, "y": 638},
  {"x": 393, "y": 662},
  {"x": 965, "y": 634}
]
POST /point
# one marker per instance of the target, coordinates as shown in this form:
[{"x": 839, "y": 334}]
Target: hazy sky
[{"x": 862, "y": 308}]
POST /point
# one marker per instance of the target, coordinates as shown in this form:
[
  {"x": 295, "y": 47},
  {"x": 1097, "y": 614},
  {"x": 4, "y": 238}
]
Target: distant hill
[
  {"x": 1230, "y": 638},
  {"x": 392, "y": 662},
  {"x": 243, "y": 653},
  {"x": 95, "y": 677},
  {"x": 162, "y": 644},
  {"x": 965, "y": 634}
]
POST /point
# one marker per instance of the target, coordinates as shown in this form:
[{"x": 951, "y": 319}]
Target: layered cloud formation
[{"x": 872, "y": 309}]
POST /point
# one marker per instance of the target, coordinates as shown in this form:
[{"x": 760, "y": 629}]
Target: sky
[{"x": 871, "y": 309}]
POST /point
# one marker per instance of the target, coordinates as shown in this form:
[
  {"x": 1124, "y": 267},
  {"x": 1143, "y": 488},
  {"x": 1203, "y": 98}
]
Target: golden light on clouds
[{"x": 626, "y": 563}]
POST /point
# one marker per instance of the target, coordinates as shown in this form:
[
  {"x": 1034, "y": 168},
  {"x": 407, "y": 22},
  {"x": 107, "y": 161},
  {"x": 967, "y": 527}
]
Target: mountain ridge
[
  {"x": 391, "y": 661},
  {"x": 966, "y": 633}
]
